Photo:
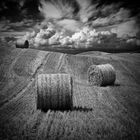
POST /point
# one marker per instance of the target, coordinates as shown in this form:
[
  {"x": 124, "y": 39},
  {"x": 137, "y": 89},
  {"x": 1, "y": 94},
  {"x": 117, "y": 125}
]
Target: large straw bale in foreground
[
  {"x": 54, "y": 91},
  {"x": 101, "y": 75}
]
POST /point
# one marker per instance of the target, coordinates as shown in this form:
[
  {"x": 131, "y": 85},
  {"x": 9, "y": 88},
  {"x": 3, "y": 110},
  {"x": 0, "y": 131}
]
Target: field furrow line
[
  {"x": 120, "y": 107},
  {"x": 61, "y": 62},
  {"x": 6, "y": 74},
  {"x": 77, "y": 96},
  {"x": 40, "y": 66},
  {"x": 30, "y": 128},
  {"x": 18, "y": 103},
  {"x": 45, "y": 125},
  {"x": 20, "y": 74},
  {"x": 57, "y": 128},
  {"x": 91, "y": 97},
  {"x": 83, "y": 96},
  {"x": 123, "y": 73},
  {"x": 50, "y": 65}
]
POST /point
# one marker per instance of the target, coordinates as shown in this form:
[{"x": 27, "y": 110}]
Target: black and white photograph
[{"x": 69, "y": 70}]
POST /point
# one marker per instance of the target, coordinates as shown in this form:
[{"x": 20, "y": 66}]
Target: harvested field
[
  {"x": 16, "y": 70},
  {"x": 102, "y": 113}
]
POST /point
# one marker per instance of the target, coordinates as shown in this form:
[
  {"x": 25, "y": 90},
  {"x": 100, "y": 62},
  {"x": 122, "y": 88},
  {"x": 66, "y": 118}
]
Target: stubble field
[{"x": 111, "y": 112}]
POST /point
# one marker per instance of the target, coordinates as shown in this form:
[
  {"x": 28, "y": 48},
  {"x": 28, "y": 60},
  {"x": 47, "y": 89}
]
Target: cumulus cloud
[{"x": 90, "y": 13}]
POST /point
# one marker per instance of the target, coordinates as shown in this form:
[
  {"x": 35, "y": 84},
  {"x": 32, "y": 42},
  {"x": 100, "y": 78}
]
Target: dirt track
[{"x": 111, "y": 112}]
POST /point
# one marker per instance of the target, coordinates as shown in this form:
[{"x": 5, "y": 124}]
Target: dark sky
[{"x": 11, "y": 8}]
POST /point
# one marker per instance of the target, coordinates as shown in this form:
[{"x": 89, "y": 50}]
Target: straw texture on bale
[
  {"x": 101, "y": 75},
  {"x": 54, "y": 91},
  {"x": 21, "y": 43}
]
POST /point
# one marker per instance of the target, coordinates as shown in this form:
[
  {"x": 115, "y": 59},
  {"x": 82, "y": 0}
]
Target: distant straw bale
[
  {"x": 21, "y": 43},
  {"x": 101, "y": 75},
  {"x": 54, "y": 91}
]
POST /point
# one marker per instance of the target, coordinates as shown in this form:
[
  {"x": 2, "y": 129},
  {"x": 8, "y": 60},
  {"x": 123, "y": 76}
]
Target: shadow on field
[
  {"x": 113, "y": 85},
  {"x": 82, "y": 109},
  {"x": 79, "y": 109}
]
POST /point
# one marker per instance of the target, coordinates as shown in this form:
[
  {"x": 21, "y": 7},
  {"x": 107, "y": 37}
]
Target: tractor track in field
[
  {"x": 50, "y": 65},
  {"x": 8, "y": 74},
  {"x": 12, "y": 74},
  {"x": 61, "y": 62},
  {"x": 16, "y": 104}
]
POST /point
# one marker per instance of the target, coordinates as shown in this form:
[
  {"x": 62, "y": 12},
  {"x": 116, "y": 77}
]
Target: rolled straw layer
[
  {"x": 21, "y": 43},
  {"x": 54, "y": 91},
  {"x": 101, "y": 75}
]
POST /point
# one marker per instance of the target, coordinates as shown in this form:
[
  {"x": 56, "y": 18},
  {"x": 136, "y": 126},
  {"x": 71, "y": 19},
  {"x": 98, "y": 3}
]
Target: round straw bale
[
  {"x": 21, "y": 43},
  {"x": 101, "y": 75},
  {"x": 54, "y": 91}
]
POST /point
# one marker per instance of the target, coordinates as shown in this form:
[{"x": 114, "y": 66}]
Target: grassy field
[{"x": 102, "y": 113}]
